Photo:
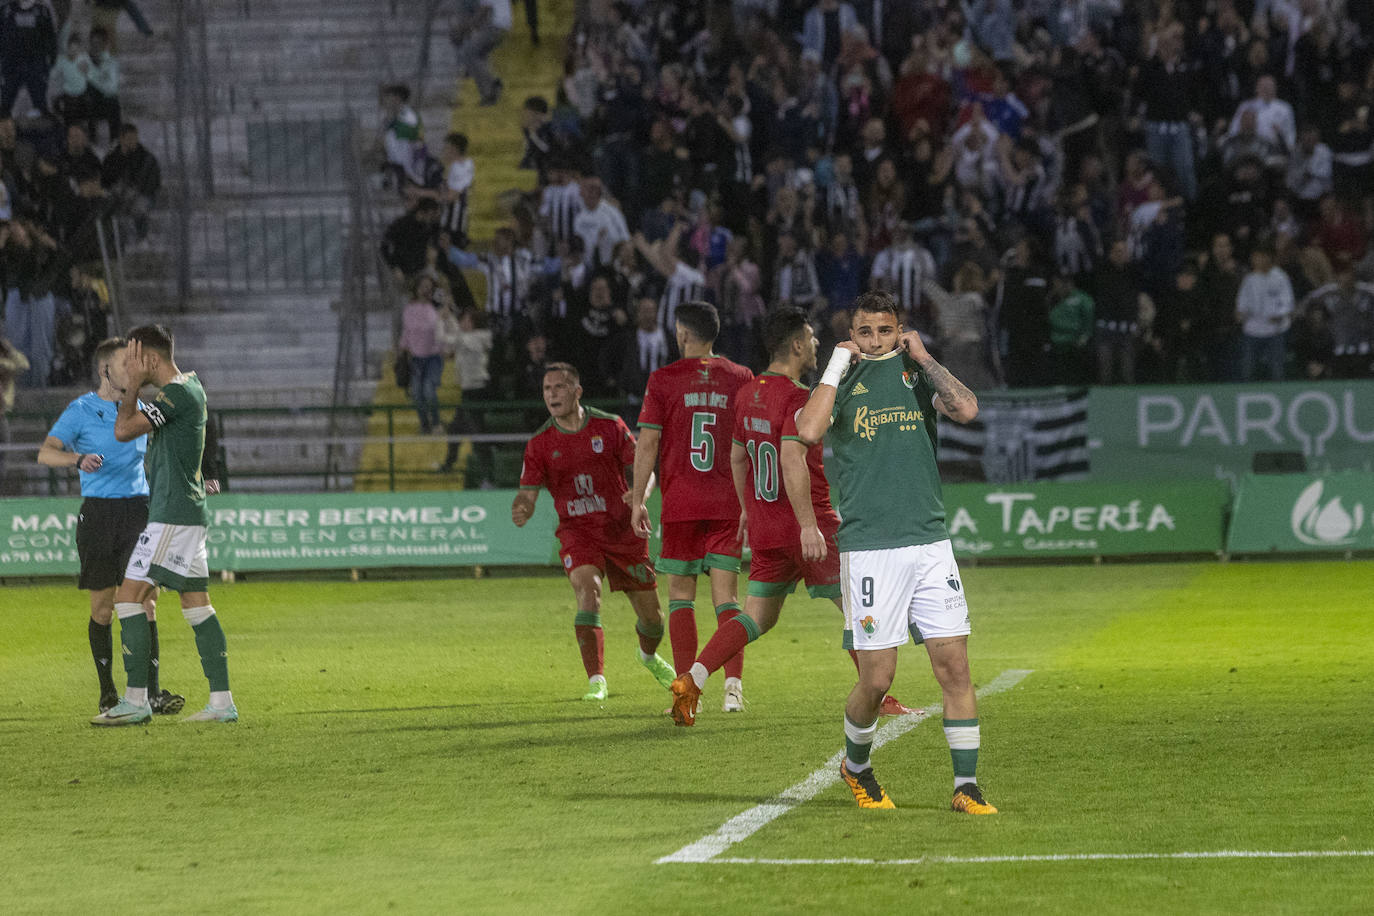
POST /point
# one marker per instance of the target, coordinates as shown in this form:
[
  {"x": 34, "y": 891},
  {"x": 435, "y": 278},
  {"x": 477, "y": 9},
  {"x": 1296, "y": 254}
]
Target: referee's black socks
[
  {"x": 153, "y": 689},
  {"x": 102, "y": 651}
]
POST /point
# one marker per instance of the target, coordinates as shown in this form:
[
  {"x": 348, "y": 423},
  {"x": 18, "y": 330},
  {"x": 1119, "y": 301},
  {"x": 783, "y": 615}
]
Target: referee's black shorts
[{"x": 106, "y": 532}]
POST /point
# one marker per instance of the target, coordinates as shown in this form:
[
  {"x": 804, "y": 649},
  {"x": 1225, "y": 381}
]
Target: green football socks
[
  {"x": 963, "y": 737},
  {"x": 135, "y": 643},
  {"x": 858, "y": 742},
  {"x": 214, "y": 655}
]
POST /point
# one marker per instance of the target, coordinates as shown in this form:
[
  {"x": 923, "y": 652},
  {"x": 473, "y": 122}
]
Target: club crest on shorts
[
  {"x": 952, "y": 583},
  {"x": 598, "y": 444},
  {"x": 869, "y": 624}
]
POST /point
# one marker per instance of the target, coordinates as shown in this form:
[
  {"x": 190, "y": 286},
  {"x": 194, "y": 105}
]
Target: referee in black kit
[{"x": 114, "y": 512}]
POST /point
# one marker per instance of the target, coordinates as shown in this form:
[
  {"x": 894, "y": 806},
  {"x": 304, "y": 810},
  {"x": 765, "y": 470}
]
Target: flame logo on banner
[{"x": 1324, "y": 525}]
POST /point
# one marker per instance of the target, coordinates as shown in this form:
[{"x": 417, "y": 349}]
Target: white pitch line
[
  {"x": 742, "y": 826},
  {"x": 1068, "y": 857}
]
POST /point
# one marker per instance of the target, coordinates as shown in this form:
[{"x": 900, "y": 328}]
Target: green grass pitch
[{"x": 418, "y": 746}]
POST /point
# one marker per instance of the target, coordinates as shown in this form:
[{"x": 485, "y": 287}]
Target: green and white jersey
[
  {"x": 175, "y": 447},
  {"x": 882, "y": 468}
]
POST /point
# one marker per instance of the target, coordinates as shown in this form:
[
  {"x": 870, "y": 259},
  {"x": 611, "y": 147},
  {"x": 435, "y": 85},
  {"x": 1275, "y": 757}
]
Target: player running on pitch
[
  {"x": 582, "y": 455},
  {"x": 687, "y": 417},
  {"x": 876, "y": 404},
  {"x": 779, "y": 481},
  {"x": 171, "y": 551}
]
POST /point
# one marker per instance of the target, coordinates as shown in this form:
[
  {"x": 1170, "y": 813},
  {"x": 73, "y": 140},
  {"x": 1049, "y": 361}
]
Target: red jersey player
[
  {"x": 581, "y": 456},
  {"x": 780, "y": 482},
  {"x": 684, "y": 425}
]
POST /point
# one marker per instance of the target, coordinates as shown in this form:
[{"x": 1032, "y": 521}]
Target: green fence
[
  {"x": 1181, "y": 431},
  {"x": 473, "y": 527},
  {"x": 1302, "y": 513},
  {"x": 311, "y": 531},
  {"x": 1082, "y": 519}
]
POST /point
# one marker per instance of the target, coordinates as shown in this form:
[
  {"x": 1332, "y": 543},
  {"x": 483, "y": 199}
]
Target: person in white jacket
[
  {"x": 1264, "y": 308},
  {"x": 470, "y": 342}
]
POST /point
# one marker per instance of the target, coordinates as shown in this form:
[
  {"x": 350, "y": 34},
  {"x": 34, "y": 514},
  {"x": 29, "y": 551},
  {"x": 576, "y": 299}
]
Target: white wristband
[{"x": 836, "y": 368}]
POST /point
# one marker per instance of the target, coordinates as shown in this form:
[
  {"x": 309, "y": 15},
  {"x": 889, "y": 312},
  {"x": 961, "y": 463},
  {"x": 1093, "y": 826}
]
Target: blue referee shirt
[{"x": 87, "y": 426}]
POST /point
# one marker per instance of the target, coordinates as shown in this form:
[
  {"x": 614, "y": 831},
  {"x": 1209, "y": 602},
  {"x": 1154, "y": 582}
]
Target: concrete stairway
[{"x": 496, "y": 144}]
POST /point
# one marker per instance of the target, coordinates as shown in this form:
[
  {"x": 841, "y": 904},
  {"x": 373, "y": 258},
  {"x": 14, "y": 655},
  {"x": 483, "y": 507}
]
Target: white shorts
[
  {"x": 889, "y": 594},
  {"x": 172, "y": 556}
]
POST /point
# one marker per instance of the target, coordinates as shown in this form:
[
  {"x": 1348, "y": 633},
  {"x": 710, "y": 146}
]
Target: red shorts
[
  {"x": 690, "y": 548},
  {"x": 776, "y": 570},
  {"x": 625, "y": 565}
]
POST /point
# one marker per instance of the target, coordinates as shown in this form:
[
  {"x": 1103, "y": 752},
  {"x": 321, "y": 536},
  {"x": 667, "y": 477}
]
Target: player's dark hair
[
  {"x": 107, "y": 348},
  {"x": 875, "y": 302},
  {"x": 155, "y": 337},
  {"x": 783, "y": 326},
  {"x": 458, "y": 141},
  {"x": 564, "y": 367},
  {"x": 700, "y": 319}
]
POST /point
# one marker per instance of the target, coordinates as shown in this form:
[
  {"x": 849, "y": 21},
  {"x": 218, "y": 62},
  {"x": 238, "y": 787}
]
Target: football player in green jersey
[
  {"x": 875, "y": 406},
  {"x": 171, "y": 550}
]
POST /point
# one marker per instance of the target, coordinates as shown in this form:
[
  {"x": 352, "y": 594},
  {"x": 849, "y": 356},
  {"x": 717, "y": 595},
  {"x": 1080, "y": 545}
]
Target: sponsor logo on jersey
[
  {"x": 598, "y": 444},
  {"x": 869, "y": 624},
  {"x": 866, "y": 422},
  {"x": 859, "y": 388}
]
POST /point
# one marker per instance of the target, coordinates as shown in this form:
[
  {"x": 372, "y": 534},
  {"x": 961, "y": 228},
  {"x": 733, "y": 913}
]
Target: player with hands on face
[
  {"x": 171, "y": 551},
  {"x": 876, "y": 407}
]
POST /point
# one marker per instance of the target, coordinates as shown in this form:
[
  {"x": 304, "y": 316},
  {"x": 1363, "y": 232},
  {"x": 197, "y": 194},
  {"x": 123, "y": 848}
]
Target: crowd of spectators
[
  {"x": 70, "y": 167},
  {"x": 1055, "y": 191}
]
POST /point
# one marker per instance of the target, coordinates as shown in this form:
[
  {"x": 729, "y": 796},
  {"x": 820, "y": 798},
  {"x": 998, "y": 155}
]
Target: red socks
[
  {"x": 591, "y": 640},
  {"x": 734, "y": 664},
  {"x": 682, "y": 632},
  {"x": 726, "y": 648}
]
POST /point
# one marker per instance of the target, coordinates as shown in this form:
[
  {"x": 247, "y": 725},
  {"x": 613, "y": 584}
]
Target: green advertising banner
[
  {"x": 268, "y": 531},
  {"x": 1084, "y": 519},
  {"x": 1290, "y": 513},
  {"x": 1177, "y": 431},
  {"x": 472, "y": 527}
]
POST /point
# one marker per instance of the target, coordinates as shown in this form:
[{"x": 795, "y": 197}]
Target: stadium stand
[{"x": 1059, "y": 192}]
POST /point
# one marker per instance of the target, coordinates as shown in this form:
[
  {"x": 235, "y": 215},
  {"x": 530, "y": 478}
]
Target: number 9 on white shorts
[{"x": 887, "y": 592}]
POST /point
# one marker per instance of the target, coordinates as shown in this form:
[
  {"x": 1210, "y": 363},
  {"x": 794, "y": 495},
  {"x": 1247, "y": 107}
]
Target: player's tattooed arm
[{"x": 952, "y": 397}]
